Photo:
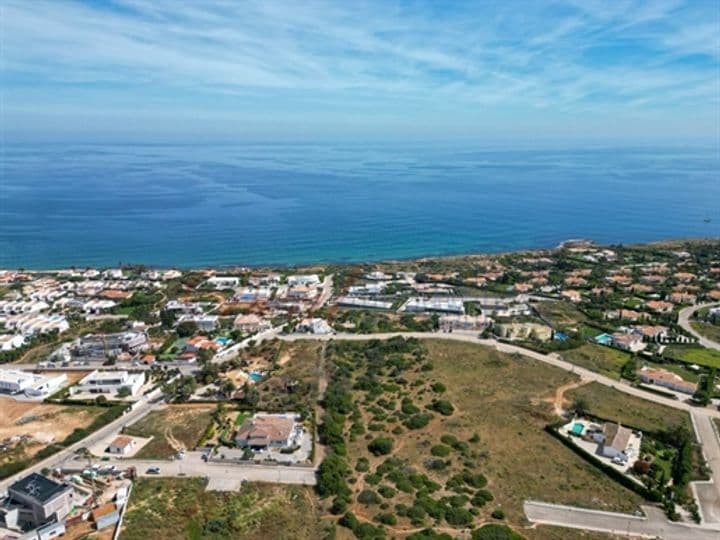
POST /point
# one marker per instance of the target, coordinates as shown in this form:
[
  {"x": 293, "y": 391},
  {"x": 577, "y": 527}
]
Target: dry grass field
[
  {"x": 629, "y": 410},
  {"x": 38, "y": 425},
  {"x": 181, "y": 509},
  {"x": 172, "y": 428},
  {"x": 501, "y": 404}
]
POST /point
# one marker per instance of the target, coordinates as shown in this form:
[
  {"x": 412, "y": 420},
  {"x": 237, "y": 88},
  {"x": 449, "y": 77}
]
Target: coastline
[{"x": 669, "y": 242}]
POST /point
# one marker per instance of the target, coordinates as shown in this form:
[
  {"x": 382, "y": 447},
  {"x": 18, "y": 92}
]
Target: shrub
[
  {"x": 408, "y": 407},
  {"x": 386, "y": 518},
  {"x": 460, "y": 517},
  {"x": 350, "y": 521},
  {"x": 450, "y": 440},
  {"x": 418, "y": 421},
  {"x": 387, "y": 492},
  {"x": 438, "y": 387},
  {"x": 440, "y": 450},
  {"x": 362, "y": 465},
  {"x": 339, "y": 506},
  {"x": 373, "y": 479},
  {"x": 436, "y": 464},
  {"x": 429, "y": 534},
  {"x": 498, "y": 513},
  {"x": 368, "y": 496},
  {"x": 494, "y": 531},
  {"x": 442, "y": 406},
  {"x": 331, "y": 476},
  {"x": 416, "y": 514},
  {"x": 381, "y": 446},
  {"x": 481, "y": 498}
]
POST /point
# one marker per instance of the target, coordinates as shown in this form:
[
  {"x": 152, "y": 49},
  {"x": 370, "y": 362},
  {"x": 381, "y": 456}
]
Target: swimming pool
[
  {"x": 578, "y": 428},
  {"x": 603, "y": 339},
  {"x": 222, "y": 340},
  {"x": 255, "y": 376}
]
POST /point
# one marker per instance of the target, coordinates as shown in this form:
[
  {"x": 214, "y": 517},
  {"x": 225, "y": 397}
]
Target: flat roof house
[
  {"x": 223, "y": 282},
  {"x": 109, "y": 382},
  {"x": 40, "y": 500},
  {"x": 266, "y": 430}
]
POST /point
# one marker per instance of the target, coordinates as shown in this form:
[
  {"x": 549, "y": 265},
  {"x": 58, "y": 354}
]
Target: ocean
[{"x": 283, "y": 204}]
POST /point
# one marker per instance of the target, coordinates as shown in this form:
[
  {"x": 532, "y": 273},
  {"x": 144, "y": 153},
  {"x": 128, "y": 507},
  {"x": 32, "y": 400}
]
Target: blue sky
[{"x": 155, "y": 70}]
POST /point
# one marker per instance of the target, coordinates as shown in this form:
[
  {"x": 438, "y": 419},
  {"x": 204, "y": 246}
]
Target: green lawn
[
  {"x": 629, "y": 410},
  {"x": 710, "y": 331},
  {"x": 560, "y": 314},
  {"x": 181, "y": 509},
  {"x": 694, "y": 355},
  {"x": 597, "y": 358}
]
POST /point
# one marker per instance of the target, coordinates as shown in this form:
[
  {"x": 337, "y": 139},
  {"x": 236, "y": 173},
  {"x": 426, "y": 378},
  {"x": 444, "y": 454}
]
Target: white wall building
[
  {"x": 445, "y": 305},
  {"x": 8, "y": 342},
  {"x": 31, "y": 384},
  {"x": 109, "y": 382},
  {"x": 303, "y": 279},
  {"x": 223, "y": 282}
]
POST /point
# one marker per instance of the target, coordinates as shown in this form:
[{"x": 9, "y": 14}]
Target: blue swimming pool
[
  {"x": 578, "y": 428},
  {"x": 255, "y": 376},
  {"x": 222, "y": 340},
  {"x": 603, "y": 339}
]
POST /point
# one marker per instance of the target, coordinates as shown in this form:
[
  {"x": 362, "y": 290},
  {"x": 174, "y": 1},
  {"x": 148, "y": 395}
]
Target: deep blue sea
[{"x": 198, "y": 205}]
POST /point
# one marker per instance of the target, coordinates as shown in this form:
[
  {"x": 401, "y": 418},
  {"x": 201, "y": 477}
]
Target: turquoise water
[
  {"x": 603, "y": 339},
  {"x": 63, "y": 205},
  {"x": 578, "y": 428},
  {"x": 255, "y": 376}
]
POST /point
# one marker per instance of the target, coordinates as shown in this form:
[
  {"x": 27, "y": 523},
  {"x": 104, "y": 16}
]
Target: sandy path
[{"x": 559, "y": 400}]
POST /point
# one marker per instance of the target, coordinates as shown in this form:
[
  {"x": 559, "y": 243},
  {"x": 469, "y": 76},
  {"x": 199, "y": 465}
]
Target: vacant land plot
[
  {"x": 172, "y": 428},
  {"x": 182, "y": 509},
  {"x": 599, "y": 400},
  {"x": 33, "y": 425},
  {"x": 501, "y": 397},
  {"x": 694, "y": 355},
  {"x": 560, "y": 314},
  {"x": 598, "y": 358},
  {"x": 441, "y": 434},
  {"x": 295, "y": 383}
]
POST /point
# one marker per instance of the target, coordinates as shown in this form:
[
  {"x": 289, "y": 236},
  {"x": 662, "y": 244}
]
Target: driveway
[
  {"x": 684, "y": 322},
  {"x": 654, "y": 525}
]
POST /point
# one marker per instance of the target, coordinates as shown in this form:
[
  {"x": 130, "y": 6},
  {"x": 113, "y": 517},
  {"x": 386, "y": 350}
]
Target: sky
[{"x": 182, "y": 70}]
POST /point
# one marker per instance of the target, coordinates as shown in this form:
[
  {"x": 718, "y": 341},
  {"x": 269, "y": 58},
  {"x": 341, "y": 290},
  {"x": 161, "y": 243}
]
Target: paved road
[
  {"x": 221, "y": 476},
  {"x": 326, "y": 293},
  {"x": 684, "y": 322},
  {"x": 708, "y": 493},
  {"x": 655, "y": 525},
  {"x": 67, "y": 453}
]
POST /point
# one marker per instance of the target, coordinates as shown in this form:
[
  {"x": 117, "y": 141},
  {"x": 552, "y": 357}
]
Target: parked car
[{"x": 153, "y": 470}]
